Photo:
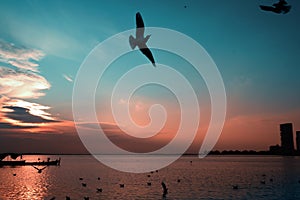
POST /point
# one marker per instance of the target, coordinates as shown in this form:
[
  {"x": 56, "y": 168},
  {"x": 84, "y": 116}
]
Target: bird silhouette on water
[
  {"x": 281, "y": 7},
  {"x": 235, "y": 187},
  {"x": 139, "y": 40},
  {"x": 263, "y": 182}
]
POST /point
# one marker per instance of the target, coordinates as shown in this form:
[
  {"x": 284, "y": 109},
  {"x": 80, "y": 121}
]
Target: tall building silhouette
[
  {"x": 298, "y": 140},
  {"x": 287, "y": 140}
]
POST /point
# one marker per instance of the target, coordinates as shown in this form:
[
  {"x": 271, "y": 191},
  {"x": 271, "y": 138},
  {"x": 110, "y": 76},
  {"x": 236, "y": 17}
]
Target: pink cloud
[{"x": 19, "y": 84}]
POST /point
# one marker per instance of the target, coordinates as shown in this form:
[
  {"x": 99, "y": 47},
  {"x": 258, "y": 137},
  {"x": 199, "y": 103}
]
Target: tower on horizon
[
  {"x": 298, "y": 140},
  {"x": 287, "y": 140}
]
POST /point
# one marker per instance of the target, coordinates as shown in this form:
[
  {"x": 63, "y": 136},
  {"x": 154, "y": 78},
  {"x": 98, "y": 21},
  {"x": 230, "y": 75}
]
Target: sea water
[{"x": 214, "y": 177}]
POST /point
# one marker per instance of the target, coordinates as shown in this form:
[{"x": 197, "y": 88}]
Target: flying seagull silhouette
[
  {"x": 39, "y": 169},
  {"x": 139, "y": 40},
  {"x": 280, "y": 7}
]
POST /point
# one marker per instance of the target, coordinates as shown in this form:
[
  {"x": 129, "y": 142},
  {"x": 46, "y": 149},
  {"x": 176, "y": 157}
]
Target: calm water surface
[{"x": 209, "y": 178}]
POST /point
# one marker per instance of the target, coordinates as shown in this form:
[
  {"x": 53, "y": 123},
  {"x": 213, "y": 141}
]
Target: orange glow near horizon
[{"x": 245, "y": 132}]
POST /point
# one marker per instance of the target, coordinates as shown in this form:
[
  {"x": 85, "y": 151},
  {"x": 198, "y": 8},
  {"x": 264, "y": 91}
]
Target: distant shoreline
[{"x": 212, "y": 153}]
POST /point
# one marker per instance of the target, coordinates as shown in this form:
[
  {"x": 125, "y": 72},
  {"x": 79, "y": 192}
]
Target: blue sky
[{"x": 256, "y": 52}]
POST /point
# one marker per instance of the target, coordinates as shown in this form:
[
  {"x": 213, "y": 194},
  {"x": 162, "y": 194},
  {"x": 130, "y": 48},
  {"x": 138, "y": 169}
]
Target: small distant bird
[
  {"x": 122, "y": 185},
  {"x": 83, "y": 184},
  {"x": 165, "y": 189},
  {"x": 86, "y": 198},
  {"x": 271, "y": 180},
  {"x": 178, "y": 180},
  {"x": 263, "y": 182},
  {"x": 280, "y": 7},
  {"x": 99, "y": 189},
  {"x": 68, "y": 198},
  {"x": 80, "y": 178},
  {"x": 149, "y": 183},
  {"x": 140, "y": 40},
  {"x": 98, "y": 178},
  {"x": 39, "y": 170},
  {"x": 14, "y": 174},
  {"x": 151, "y": 172},
  {"x": 148, "y": 175},
  {"x": 156, "y": 171},
  {"x": 185, "y": 6}
]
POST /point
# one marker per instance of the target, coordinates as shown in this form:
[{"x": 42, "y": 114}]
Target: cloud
[
  {"x": 22, "y": 84},
  {"x": 24, "y": 115},
  {"x": 20, "y": 57},
  {"x": 139, "y": 106},
  {"x": 34, "y": 108},
  {"x": 68, "y": 78},
  {"x": 107, "y": 127},
  {"x": 18, "y": 113},
  {"x": 5, "y": 125}
]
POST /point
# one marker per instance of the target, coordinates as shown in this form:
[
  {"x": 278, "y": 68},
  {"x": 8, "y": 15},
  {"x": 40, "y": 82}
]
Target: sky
[{"x": 44, "y": 43}]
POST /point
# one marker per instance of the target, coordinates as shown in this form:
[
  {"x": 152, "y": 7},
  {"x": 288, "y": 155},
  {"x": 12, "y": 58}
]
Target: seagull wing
[
  {"x": 146, "y": 51},
  {"x": 139, "y": 25},
  {"x": 286, "y": 9},
  {"x": 267, "y": 8},
  {"x": 35, "y": 167},
  {"x": 43, "y": 168}
]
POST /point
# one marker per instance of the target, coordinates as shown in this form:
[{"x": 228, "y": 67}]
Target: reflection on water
[
  {"x": 23, "y": 182},
  {"x": 209, "y": 178}
]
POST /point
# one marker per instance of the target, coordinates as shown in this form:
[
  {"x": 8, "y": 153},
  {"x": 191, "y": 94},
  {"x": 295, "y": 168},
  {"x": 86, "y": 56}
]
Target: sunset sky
[{"x": 43, "y": 44}]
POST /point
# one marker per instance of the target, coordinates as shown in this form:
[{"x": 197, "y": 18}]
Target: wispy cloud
[
  {"x": 5, "y": 125},
  {"x": 22, "y": 84},
  {"x": 68, "y": 78},
  {"x": 20, "y": 57},
  {"x": 31, "y": 108},
  {"x": 24, "y": 115},
  {"x": 20, "y": 113}
]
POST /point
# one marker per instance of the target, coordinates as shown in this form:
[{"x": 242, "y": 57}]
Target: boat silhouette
[{"x": 22, "y": 162}]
